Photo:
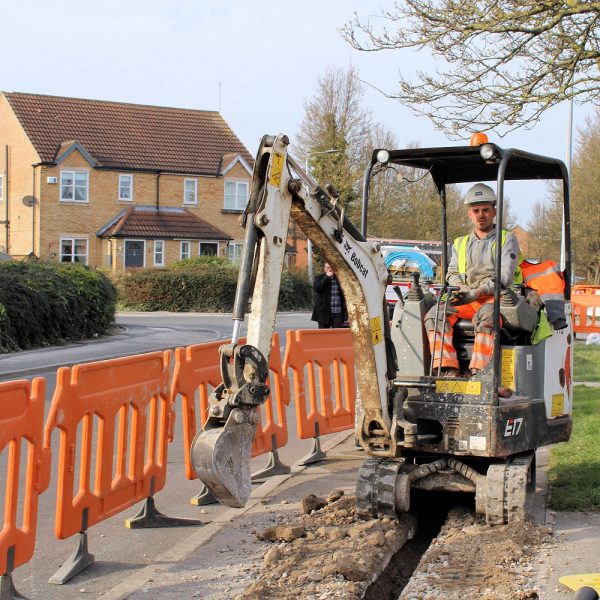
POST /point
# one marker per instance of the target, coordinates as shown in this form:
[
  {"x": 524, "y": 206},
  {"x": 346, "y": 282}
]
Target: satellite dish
[{"x": 29, "y": 201}]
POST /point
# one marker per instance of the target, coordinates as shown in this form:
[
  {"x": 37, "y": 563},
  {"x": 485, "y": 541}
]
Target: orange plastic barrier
[
  {"x": 122, "y": 408},
  {"x": 586, "y": 289},
  {"x": 329, "y": 352},
  {"x": 21, "y": 431},
  {"x": 197, "y": 369},
  {"x": 586, "y": 312}
]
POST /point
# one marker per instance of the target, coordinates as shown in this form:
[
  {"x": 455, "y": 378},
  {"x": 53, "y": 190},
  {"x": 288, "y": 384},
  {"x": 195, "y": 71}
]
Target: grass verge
[
  {"x": 574, "y": 472},
  {"x": 586, "y": 363}
]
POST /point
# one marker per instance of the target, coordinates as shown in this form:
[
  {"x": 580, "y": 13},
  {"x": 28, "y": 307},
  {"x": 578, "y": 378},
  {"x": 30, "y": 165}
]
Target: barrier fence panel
[
  {"x": 21, "y": 435},
  {"x": 123, "y": 411},
  {"x": 322, "y": 364},
  {"x": 197, "y": 370},
  {"x": 586, "y": 312}
]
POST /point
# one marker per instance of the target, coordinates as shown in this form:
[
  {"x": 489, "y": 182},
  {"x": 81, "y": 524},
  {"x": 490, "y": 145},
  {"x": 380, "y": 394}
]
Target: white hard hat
[{"x": 480, "y": 193}]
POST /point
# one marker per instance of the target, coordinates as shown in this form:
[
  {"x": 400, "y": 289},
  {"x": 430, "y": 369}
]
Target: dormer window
[
  {"x": 74, "y": 186},
  {"x": 236, "y": 195},
  {"x": 126, "y": 187}
]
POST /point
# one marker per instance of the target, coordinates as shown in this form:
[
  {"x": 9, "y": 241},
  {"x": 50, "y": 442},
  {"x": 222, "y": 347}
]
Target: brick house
[{"x": 118, "y": 185}]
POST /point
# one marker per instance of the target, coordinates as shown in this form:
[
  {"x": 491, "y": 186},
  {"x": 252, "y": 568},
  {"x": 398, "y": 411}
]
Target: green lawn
[
  {"x": 575, "y": 466},
  {"x": 586, "y": 363}
]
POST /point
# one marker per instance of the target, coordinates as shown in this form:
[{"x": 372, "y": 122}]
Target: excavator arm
[{"x": 282, "y": 190}]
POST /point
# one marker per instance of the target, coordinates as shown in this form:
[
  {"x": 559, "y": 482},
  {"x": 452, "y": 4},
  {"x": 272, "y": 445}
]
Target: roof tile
[
  {"x": 163, "y": 223},
  {"x": 128, "y": 136}
]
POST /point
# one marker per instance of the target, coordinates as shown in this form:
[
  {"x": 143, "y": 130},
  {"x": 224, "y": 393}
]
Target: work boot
[
  {"x": 450, "y": 372},
  {"x": 504, "y": 392}
]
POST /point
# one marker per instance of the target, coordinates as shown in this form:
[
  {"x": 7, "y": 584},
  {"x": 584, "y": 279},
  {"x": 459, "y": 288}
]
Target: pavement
[
  {"x": 218, "y": 559},
  {"x": 222, "y": 558}
]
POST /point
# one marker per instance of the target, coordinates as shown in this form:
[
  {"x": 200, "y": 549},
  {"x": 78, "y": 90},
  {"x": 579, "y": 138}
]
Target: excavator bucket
[{"x": 221, "y": 458}]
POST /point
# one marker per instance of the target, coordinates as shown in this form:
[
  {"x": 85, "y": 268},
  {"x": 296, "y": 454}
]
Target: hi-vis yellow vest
[{"x": 460, "y": 245}]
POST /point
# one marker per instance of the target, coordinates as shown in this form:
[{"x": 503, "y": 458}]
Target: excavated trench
[{"x": 441, "y": 551}]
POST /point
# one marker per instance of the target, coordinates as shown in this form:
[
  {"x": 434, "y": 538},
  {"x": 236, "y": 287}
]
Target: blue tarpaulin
[{"x": 412, "y": 257}]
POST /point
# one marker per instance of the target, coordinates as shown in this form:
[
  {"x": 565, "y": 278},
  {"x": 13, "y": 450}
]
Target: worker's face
[
  {"x": 482, "y": 216},
  {"x": 328, "y": 270}
]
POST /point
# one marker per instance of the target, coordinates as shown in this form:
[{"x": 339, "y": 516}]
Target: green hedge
[
  {"x": 201, "y": 286},
  {"x": 44, "y": 303}
]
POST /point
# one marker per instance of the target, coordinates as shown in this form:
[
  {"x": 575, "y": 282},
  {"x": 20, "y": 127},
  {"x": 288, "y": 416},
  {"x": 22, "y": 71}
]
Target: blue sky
[{"x": 264, "y": 56}]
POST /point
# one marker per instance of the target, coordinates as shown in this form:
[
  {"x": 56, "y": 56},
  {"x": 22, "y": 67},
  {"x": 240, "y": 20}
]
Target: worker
[
  {"x": 329, "y": 304},
  {"x": 472, "y": 270}
]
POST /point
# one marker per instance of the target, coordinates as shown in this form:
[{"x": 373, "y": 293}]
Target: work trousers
[{"x": 481, "y": 312}]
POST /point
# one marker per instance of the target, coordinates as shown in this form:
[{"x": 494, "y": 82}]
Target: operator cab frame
[{"x": 482, "y": 162}]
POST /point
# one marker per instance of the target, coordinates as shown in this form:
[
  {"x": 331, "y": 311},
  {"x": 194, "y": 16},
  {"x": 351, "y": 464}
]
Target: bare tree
[
  {"x": 333, "y": 131},
  {"x": 507, "y": 61}
]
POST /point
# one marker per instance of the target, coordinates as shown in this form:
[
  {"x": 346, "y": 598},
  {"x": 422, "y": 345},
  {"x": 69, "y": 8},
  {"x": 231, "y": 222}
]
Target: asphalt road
[{"x": 119, "y": 552}]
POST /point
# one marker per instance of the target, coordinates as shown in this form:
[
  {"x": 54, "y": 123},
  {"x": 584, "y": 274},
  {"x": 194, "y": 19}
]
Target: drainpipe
[
  {"x": 6, "y": 196},
  {"x": 158, "y": 190},
  {"x": 34, "y": 202}
]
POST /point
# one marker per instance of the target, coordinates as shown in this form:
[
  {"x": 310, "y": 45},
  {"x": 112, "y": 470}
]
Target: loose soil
[{"x": 332, "y": 553}]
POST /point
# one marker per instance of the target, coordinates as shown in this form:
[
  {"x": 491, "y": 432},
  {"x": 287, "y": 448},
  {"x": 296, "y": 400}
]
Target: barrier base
[
  {"x": 315, "y": 455},
  {"x": 149, "y": 517},
  {"x": 203, "y": 498},
  {"x": 7, "y": 588},
  {"x": 78, "y": 561},
  {"x": 274, "y": 467}
]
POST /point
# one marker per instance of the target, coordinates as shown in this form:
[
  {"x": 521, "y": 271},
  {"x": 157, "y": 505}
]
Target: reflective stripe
[
  {"x": 546, "y": 297},
  {"x": 460, "y": 245},
  {"x": 549, "y": 271}
]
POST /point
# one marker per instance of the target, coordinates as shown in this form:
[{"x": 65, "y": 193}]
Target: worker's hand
[
  {"x": 465, "y": 296},
  {"x": 534, "y": 299}
]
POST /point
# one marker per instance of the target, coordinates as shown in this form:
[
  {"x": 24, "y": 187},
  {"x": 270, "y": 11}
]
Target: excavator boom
[{"x": 282, "y": 190}]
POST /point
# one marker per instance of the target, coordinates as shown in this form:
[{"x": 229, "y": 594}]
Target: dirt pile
[
  {"x": 469, "y": 560},
  {"x": 329, "y": 553}
]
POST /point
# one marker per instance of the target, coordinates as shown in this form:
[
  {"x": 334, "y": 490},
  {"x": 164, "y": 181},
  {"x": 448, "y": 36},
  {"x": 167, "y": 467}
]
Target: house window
[
  {"x": 159, "y": 253},
  {"x": 190, "y": 191},
  {"x": 209, "y": 249},
  {"x": 185, "y": 250},
  {"x": 125, "y": 187},
  {"x": 135, "y": 253},
  {"x": 234, "y": 251},
  {"x": 74, "y": 250},
  {"x": 74, "y": 186},
  {"x": 236, "y": 195}
]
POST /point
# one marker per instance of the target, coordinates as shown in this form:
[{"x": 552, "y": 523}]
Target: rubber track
[{"x": 507, "y": 490}]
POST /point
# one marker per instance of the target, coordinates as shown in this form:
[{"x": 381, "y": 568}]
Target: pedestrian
[
  {"x": 329, "y": 304},
  {"x": 472, "y": 271}
]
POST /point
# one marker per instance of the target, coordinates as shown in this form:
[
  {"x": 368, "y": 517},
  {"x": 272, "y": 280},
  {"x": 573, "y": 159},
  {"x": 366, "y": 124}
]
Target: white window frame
[
  {"x": 212, "y": 244},
  {"x": 237, "y": 184},
  {"x": 187, "y": 181},
  {"x": 73, "y": 174},
  {"x": 156, "y": 252},
  {"x": 189, "y": 249},
  {"x": 130, "y": 177},
  {"x": 125, "y": 252},
  {"x": 73, "y": 241},
  {"x": 234, "y": 248}
]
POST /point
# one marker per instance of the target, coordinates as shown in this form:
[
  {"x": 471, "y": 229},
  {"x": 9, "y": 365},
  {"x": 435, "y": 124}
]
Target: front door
[{"x": 134, "y": 253}]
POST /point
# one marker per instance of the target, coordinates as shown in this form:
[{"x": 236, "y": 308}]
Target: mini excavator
[{"x": 419, "y": 429}]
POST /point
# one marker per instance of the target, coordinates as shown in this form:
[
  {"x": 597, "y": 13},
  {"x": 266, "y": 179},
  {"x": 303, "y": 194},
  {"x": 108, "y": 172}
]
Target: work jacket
[
  {"x": 547, "y": 280},
  {"x": 479, "y": 254}
]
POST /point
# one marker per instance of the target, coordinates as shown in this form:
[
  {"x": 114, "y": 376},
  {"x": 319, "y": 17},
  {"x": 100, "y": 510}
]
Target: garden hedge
[
  {"x": 44, "y": 303},
  {"x": 201, "y": 285}
]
